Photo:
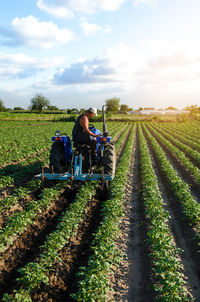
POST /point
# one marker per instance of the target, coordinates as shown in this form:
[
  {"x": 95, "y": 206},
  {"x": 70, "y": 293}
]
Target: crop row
[
  {"x": 35, "y": 274},
  {"x": 187, "y": 127},
  {"x": 23, "y": 192},
  {"x": 33, "y": 141},
  {"x": 13, "y": 174},
  {"x": 182, "y": 134},
  {"x": 21, "y": 144},
  {"x": 180, "y": 190},
  {"x": 181, "y": 137},
  {"x": 167, "y": 274},
  {"x": 54, "y": 238},
  {"x": 187, "y": 150},
  {"x": 94, "y": 283},
  {"x": 19, "y": 193},
  {"x": 19, "y": 222},
  {"x": 194, "y": 171},
  {"x": 12, "y": 124},
  {"x": 122, "y": 137},
  {"x": 15, "y": 138}
]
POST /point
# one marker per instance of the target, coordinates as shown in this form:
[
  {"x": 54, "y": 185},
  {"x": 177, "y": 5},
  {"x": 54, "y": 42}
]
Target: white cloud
[
  {"x": 40, "y": 34},
  {"x": 113, "y": 66},
  {"x": 171, "y": 71},
  {"x": 21, "y": 66},
  {"x": 120, "y": 71},
  {"x": 146, "y": 2},
  {"x": 17, "y": 65},
  {"x": 126, "y": 70},
  {"x": 110, "y": 5},
  {"x": 66, "y": 8},
  {"x": 90, "y": 29},
  {"x": 36, "y": 34},
  {"x": 55, "y": 10}
]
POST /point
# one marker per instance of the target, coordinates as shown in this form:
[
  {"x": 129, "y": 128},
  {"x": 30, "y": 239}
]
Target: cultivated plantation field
[{"x": 67, "y": 241}]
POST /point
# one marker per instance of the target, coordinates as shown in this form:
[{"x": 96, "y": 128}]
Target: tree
[
  {"x": 112, "y": 105},
  {"x": 39, "y": 102},
  {"x": 2, "y": 107},
  {"x": 18, "y": 108},
  {"x": 73, "y": 111},
  {"x": 52, "y": 108},
  {"x": 124, "y": 108}
]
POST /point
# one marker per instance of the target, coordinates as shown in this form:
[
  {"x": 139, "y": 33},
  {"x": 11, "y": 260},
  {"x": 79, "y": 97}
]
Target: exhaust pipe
[{"x": 105, "y": 130}]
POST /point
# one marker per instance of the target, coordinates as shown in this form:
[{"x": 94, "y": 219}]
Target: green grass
[{"x": 18, "y": 116}]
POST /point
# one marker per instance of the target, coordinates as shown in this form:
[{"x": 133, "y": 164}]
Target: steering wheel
[{"x": 91, "y": 126}]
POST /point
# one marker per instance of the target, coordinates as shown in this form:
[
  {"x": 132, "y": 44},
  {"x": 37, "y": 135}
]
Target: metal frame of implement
[{"x": 77, "y": 175}]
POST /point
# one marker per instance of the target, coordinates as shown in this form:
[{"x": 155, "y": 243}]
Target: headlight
[{"x": 57, "y": 133}]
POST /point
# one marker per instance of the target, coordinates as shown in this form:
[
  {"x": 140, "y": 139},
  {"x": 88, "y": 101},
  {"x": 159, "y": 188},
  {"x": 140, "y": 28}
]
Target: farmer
[{"x": 81, "y": 132}]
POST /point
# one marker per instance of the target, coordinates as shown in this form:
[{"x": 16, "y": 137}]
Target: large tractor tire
[
  {"x": 109, "y": 159},
  {"x": 57, "y": 158}
]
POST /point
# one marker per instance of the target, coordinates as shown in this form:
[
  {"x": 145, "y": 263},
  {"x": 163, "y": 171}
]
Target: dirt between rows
[
  {"x": 63, "y": 279},
  {"x": 26, "y": 247},
  {"x": 131, "y": 280},
  {"x": 19, "y": 206},
  {"x": 6, "y": 214},
  {"x": 184, "y": 234}
]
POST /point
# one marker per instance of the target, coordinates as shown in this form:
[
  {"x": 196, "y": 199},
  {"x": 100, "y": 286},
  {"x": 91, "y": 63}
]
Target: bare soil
[
  {"x": 63, "y": 279},
  {"x": 26, "y": 247}
]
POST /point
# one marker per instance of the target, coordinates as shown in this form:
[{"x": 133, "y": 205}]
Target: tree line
[{"x": 39, "y": 103}]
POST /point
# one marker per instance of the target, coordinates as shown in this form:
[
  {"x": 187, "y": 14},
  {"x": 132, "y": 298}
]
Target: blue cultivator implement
[{"x": 81, "y": 162}]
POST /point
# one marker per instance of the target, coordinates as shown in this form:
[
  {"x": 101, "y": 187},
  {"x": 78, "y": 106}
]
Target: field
[
  {"x": 30, "y": 116},
  {"x": 64, "y": 241},
  {"x": 140, "y": 117}
]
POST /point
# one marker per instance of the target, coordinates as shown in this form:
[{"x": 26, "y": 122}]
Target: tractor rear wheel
[
  {"x": 57, "y": 158},
  {"x": 109, "y": 159}
]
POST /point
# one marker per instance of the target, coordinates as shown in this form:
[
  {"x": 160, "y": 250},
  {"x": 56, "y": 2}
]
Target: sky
[{"x": 79, "y": 53}]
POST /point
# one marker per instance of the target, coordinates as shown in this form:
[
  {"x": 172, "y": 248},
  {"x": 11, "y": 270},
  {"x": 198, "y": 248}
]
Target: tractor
[{"x": 78, "y": 161}]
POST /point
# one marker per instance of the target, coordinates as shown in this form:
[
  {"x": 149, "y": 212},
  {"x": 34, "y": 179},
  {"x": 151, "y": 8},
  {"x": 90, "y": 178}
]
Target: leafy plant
[{"x": 168, "y": 278}]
